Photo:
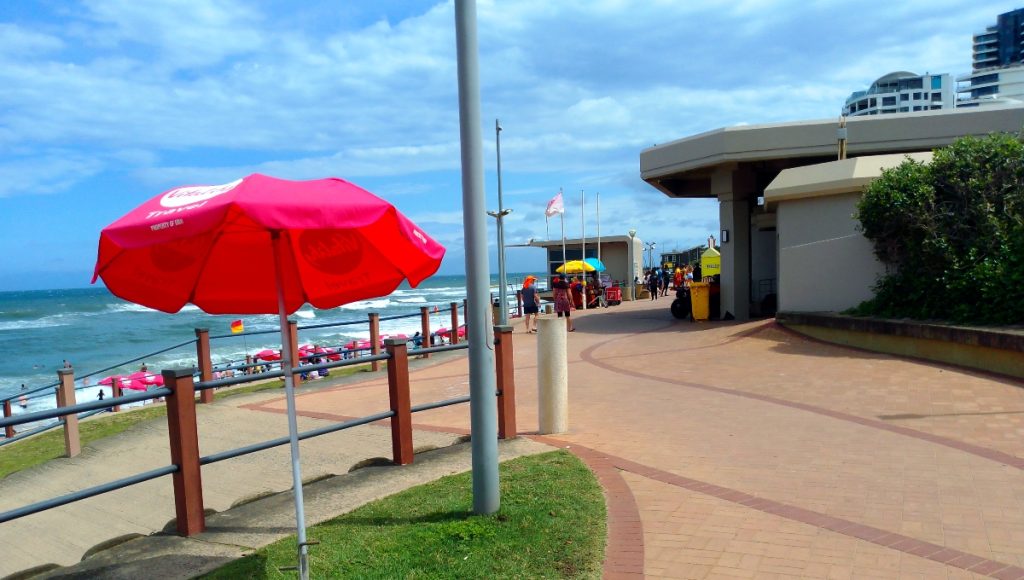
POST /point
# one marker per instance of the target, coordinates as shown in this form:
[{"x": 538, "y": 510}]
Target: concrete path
[
  {"x": 725, "y": 450},
  {"x": 744, "y": 450}
]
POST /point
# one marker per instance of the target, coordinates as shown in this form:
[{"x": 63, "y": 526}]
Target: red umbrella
[
  {"x": 332, "y": 243},
  {"x": 268, "y": 355}
]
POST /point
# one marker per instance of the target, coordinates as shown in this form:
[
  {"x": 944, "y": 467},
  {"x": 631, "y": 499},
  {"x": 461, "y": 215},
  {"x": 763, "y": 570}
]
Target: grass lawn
[
  {"x": 551, "y": 525},
  {"x": 50, "y": 445}
]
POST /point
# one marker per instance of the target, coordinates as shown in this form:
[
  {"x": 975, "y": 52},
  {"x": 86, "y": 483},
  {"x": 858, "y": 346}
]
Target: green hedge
[{"x": 951, "y": 234}]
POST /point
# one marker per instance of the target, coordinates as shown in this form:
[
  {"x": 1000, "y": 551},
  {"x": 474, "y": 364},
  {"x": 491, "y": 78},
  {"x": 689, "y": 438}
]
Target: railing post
[
  {"x": 375, "y": 339},
  {"x": 115, "y": 392},
  {"x": 66, "y": 398},
  {"x": 8, "y": 430},
  {"x": 398, "y": 393},
  {"x": 505, "y": 367},
  {"x": 205, "y": 364},
  {"x": 453, "y": 336},
  {"x": 425, "y": 329},
  {"x": 519, "y": 303},
  {"x": 293, "y": 329},
  {"x": 184, "y": 442}
]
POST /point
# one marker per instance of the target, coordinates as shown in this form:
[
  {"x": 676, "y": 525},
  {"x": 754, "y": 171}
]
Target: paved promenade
[{"x": 725, "y": 450}]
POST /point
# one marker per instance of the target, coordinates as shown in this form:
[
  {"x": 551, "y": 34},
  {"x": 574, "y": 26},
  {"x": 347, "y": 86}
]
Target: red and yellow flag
[{"x": 237, "y": 327}]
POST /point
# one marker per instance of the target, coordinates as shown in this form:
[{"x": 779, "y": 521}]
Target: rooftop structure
[{"x": 902, "y": 92}]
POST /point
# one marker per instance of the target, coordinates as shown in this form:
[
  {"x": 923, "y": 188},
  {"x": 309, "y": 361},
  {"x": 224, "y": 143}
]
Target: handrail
[
  {"x": 86, "y": 493},
  {"x": 186, "y": 464},
  {"x": 83, "y": 407},
  {"x": 49, "y": 386},
  {"x": 231, "y": 453}
]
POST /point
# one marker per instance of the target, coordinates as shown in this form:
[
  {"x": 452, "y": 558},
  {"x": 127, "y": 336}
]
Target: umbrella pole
[{"x": 289, "y": 391}]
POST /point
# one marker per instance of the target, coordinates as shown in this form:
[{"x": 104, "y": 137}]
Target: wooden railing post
[
  {"x": 519, "y": 303},
  {"x": 453, "y": 337},
  {"x": 425, "y": 329},
  {"x": 66, "y": 398},
  {"x": 115, "y": 392},
  {"x": 293, "y": 333},
  {"x": 8, "y": 430},
  {"x": 205, "y": 364},
  {"x": 505, "y": 367},
  {"x": 184, "y": 442},
  {"x": 375, "y": 339},
  {"x": 398, "y": 393}
]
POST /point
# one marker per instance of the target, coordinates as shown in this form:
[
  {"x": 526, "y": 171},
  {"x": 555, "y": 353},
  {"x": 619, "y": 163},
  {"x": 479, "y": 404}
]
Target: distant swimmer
[{"x": 23, "y": 401}]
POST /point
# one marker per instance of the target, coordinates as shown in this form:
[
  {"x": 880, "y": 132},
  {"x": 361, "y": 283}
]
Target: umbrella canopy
[
  {"x": 331, "y": 242},
  {"x": 268, "y": 355},
  {"x": 575, "y": 267},
  {"x": 598, "y": 265},
  {"x": 340, "y": 244}
]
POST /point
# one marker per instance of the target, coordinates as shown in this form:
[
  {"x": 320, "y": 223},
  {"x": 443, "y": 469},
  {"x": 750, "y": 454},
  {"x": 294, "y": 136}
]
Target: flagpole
[
  {"x": 583, "y": 243},
  {"x": 599, "y": 228}
]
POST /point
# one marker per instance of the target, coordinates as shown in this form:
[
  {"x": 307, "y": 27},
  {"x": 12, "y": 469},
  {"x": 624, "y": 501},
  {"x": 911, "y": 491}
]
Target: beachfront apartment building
[
  {"x": 902, "y": 92},
  {"x": 997, "y": 72}
]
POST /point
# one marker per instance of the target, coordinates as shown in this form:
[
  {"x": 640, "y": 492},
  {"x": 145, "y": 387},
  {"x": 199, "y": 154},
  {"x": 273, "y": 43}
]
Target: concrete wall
[{"x": 825, "y": 264}]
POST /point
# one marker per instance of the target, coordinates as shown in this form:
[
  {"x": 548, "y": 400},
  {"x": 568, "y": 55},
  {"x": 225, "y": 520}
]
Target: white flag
[{"x": 555, "y": 206}]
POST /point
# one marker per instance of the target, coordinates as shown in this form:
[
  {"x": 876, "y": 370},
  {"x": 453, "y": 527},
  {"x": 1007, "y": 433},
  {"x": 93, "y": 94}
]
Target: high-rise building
[
  {"x": 902, "y": 92},
  {"x": 998, "y": 70}
]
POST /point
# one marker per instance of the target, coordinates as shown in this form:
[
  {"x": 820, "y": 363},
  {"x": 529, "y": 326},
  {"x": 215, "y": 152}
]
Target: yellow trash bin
[{"x": 700, "y": 297}]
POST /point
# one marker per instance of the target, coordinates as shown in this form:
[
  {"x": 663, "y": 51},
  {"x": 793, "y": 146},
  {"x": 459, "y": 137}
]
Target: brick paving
[{"x": 744, "y": 450}]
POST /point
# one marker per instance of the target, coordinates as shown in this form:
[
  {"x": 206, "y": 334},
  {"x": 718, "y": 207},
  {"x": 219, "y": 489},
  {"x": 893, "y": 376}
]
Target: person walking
[
  {"x": 531, "y": 303},
  {"x": 563, "y": 304},
  {"x": 652, "y": 283}
]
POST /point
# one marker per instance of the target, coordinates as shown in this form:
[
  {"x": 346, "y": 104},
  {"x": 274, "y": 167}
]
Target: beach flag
[
  {"x": 237, "y": 327},
  {"x": 555, "y": 206}
]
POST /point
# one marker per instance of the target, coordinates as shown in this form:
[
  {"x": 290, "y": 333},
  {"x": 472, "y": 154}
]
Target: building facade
[
  {"x": 997, "y": 75},
  {"x": 902, "y": 92}
]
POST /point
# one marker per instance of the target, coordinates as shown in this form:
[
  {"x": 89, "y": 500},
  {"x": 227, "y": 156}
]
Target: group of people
[{"x": 657, "y": 279}]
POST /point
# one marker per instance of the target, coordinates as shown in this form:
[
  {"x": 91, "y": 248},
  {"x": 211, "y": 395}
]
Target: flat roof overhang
[
  {"x": 833, "y": 177},
  {"x": 684, "y": 168}
]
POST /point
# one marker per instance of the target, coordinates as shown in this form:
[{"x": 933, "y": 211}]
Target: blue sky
[{"x": 108, "y": 102}]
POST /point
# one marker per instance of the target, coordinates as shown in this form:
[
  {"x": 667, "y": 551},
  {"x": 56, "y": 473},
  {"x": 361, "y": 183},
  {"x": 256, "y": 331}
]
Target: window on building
[
  {"x": 936, "y": 83},
  {"x": 917, "y": 108},
  {"x": 915, "y": 83},
  {"x": 905, "y": 96},
  {"x": 888, "y": 101},
  {"x": 874, "y": 102},
  {"x": 936, "y": 97},
  {"x": 936, "y": 107},
  {"x": 904, "y": 109},
  {"x": 917, "y": 96}
]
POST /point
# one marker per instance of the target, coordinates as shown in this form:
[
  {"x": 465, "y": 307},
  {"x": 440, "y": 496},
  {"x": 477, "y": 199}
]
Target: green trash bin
[{"x": 700, "y": 297}]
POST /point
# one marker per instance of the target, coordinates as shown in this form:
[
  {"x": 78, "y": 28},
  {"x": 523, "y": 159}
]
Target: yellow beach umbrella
[{"x": 575, "y": 267}]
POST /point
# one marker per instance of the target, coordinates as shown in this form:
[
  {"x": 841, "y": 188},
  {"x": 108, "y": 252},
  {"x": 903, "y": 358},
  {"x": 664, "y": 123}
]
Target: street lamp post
[
  {"x": 631, "y": 285},
  {"x": 499, "y": 216}
]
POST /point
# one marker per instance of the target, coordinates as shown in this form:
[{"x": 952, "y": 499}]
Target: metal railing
[
  {"x": 188, "y": 499},
  {"x": 204, "y": 362}
]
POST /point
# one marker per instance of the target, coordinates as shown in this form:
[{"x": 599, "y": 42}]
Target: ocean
[{"x": 94, "y": 330}]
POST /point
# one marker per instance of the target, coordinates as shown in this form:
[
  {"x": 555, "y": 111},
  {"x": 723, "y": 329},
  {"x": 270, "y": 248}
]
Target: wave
[
  {"x": 305, "y": 314},
  {"x": 413, "y": 300},
  {"x": 46, "y": 322},
  {"x": 367, "y": 304}
]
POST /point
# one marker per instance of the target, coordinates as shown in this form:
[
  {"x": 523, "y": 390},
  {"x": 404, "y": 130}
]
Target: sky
[{"x": 106, "y": 103}]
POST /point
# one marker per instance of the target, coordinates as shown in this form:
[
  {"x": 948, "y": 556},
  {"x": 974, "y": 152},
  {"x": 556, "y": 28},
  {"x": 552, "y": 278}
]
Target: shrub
[{"x": 951, "y": 234}]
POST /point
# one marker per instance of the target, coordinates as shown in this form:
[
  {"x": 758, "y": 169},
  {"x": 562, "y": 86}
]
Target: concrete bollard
[
  {"x": 548, "y": 309},
  {"x": 552, "y": 376}
]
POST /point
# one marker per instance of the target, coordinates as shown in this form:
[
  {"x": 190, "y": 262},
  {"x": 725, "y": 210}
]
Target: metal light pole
[
  {"x": 499, "y": 216},
  {"x": 483, "y": 413},
  {"x": 631, "y": 285}
]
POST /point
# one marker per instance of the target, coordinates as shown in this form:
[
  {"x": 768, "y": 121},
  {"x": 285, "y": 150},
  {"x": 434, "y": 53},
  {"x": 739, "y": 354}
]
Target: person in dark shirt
[{"x": 531, "y": 303}]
